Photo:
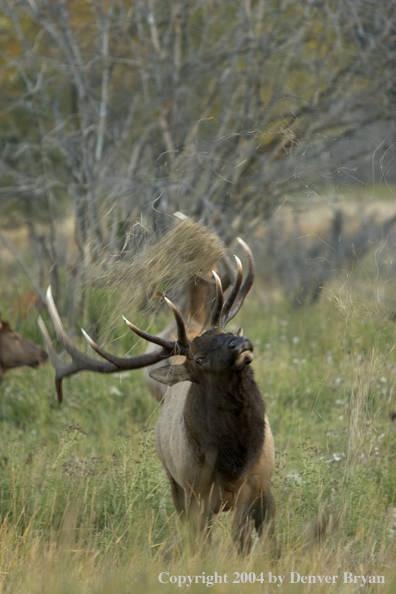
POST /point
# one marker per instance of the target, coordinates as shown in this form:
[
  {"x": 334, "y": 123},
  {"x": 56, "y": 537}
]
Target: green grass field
[{"x": 86, "y": 507}]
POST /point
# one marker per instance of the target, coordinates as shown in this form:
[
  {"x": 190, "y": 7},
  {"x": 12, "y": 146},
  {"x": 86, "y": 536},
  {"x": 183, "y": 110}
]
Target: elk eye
[{"x": 200, "y": 360}]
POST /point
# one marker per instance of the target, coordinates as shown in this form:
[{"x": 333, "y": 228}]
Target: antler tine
[
  {"x": 56, "y": 362},
  {"x": 216, "y": 313},
  {"x": 82, "y": 362},
  {"x": 182, "y": 338},
  {"x": 166, "y": 344},
  {"x": 229, "y": 277},
  {"x": 60, "y": 331},
  {"x": 48, "y": 343},
  {"x": 124, "y": 363},
  {"x": 244, "y": 290},
  {"x": 233, "y": 293}
]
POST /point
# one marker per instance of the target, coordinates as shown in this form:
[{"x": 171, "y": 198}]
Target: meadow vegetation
[
  {"x": 85, "y": 505},
  {"x": 115, "y": 115}
]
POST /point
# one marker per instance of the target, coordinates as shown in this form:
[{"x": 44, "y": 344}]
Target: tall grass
[{"x": 85, "y": 505}]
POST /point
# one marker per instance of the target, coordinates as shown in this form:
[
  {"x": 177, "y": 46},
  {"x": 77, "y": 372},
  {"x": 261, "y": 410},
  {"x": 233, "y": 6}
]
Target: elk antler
[
  {"x": 217, "y": 309},
  {"x": 233, "y": 293},
  {"x": 224, "y": 312},
  {"x": 221, "y": 315},
  {"x": 82, "y": 362},
  {"x": 232, "y": 308}
]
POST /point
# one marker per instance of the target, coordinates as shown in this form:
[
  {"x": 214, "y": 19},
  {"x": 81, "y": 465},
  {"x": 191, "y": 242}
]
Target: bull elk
[
  {"x": 16, "y": 351},
  {"x": 212, "y": 436}
]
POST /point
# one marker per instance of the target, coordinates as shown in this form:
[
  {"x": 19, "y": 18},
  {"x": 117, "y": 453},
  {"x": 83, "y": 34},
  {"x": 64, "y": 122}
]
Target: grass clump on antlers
[{"x": 162, "y": 265}]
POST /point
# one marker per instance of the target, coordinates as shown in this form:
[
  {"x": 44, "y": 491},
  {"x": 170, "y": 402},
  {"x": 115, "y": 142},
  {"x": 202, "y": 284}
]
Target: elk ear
[{"x": 171, "y": 374}]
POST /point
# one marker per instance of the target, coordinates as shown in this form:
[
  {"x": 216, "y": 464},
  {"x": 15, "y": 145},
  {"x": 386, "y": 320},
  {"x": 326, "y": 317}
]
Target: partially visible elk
[
  {"x": 16, "y": 351},
  {"x": 213, "y": 436}
]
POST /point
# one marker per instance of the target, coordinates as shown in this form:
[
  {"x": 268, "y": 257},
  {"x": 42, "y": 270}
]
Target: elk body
[
  {"x": 16, "y": 351},
  {"x": 212, "y": 437}
]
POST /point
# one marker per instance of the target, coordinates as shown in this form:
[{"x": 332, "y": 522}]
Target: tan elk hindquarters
[{"x": 212, "y": 437}]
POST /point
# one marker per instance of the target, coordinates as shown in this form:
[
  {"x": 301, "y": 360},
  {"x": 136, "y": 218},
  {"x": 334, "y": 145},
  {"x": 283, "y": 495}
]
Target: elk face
[
  {"x": 16, "y": 351},
  {"x": 214, "y": 356},
  {"x": 217, "y": 351}
]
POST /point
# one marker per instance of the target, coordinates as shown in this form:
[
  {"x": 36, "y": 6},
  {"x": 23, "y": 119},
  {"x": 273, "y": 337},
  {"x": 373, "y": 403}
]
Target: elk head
[{"x": 16, "y": 351}]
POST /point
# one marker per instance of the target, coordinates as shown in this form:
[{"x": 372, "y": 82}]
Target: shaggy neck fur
[{"x": 225, "y": 422}]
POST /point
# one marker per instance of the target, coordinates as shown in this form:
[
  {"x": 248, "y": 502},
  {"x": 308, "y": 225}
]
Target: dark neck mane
[{"x": 225, "y": 423}]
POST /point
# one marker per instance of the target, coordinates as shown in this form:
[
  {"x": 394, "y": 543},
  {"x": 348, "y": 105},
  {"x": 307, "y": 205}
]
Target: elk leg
[
  {"x": 253, "y": 515},
  {"x": 189, "y": 508},
  {"x": 263, "y": 510},
  {"x": 242, "y": 529},
  {"x": 177, "y": 495},
  {"x": 199, "y": 517}
]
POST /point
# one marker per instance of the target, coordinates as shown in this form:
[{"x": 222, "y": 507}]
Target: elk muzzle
[
  {"x": 40, "y": 358},
  {"x": 242, "y": 350}
]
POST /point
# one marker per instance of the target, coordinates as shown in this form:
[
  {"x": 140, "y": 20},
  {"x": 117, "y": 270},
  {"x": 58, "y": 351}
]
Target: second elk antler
[
  {"x": 112, "y": 364},
  {"x": 213, "y": 436}
]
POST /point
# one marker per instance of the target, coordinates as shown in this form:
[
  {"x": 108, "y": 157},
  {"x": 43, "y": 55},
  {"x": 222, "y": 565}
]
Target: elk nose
[{"x": 240, "y": 344}]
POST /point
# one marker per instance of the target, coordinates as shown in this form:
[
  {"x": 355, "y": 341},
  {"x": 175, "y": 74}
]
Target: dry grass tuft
[{"x": 164, "y": 265}]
